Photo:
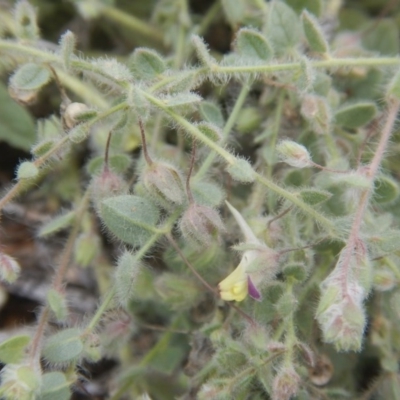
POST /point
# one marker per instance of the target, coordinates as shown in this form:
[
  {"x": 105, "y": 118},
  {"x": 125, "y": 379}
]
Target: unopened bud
[
  {"x": 27, "y": 170},
  {"x": 201, "y": 224},
  {"x": 164, "y": 181},
  {"x": 294, "y": 154},
  {"x": 9, "y": 268},
  {"x": 107, "y": 184},
  {"x": 73, "y": 113},
  {"x": 286, "y": 384},
  {"x": 316, "y": 111}
]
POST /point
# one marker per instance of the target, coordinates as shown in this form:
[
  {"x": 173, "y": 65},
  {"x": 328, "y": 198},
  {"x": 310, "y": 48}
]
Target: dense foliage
[{"x": 225, "y": 174}]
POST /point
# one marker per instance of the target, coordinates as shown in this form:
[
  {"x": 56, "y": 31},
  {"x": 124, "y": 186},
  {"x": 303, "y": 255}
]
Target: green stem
[
  {"x": 133, "y": 23},
  {"x": 227, "y": 129},
  {"x": 208, "y": 18},
  {"x": 323, "y": 64}
]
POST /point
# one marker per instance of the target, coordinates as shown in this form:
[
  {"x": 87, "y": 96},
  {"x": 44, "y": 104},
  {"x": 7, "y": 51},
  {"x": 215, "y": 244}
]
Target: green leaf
[
  {"x": 27, "y": 170},
  {"x": 314, "y": 33},
  {"x": 394, "y": 86},
  {"x": 30, "y": 77},
  {"x": 54, "y": 387},
  {"x": 56, "y": 224},
  {"x": 16, "y": 125},
  {"x": 119, "y": 163},
  {"x": 314, "y": 196},
  {"x": 128, "y": 268},
  {"x": 147, "y": 63},
  {"x": 67, "y": 47},
  {"x": 386, "y": 189},
  {"x": 389, "y": 242},
  {"x": 355, "y": 115},
  {"x": 57, "y": 304},
  {"x": 202, "y": 51},
  {"x": 383, "y": 38},
  {"x": 131, "y": 219},
  {"x": 212, "y": 113},
  {"x": 64, "y": 346},
  {"x": 252, "y": 44},
  {"x": 313, "y": 6},
  {"x": 181, "y": 99},
  {"x": 283, "y": 26},
  {"x": 12, "y": 350},
  {"x": 241, "y": 171},
  {"x": 207, "y": 193}
]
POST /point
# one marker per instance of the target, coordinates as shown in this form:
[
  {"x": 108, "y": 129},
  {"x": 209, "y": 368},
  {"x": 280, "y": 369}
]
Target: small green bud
[
  {"x": 294, "y": 154},
  {"x": 201, "y": 225},
  {"x": 164, "y": 182},
  {"x": 9, "y": 268},
  {"x": 27, "y": 170}
]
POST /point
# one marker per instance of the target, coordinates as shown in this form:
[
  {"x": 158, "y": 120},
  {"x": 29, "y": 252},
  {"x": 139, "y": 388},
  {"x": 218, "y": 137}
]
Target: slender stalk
[{"x": 371, "y": 173}]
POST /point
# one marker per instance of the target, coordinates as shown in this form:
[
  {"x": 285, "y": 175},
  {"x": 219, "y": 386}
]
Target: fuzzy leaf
[
  {"x": 283, "y": 26},
  {"x": 315, "y": 36},
  {"x": 147, "y": 63},
  {"x": 252, "y": 44},
  {"x": 67, "y": 47},
  {"x": 16, "y": 125},
  {"x": 27, "y": 170},
  {"x": 296, "y": 271},
  {"x": 212, "y": 113},
  {"x": 131, "y": 219},
  {"x": 65, "y": 346},
  {"x": 126, "y": 273},
  {"x": 314, "y": 196},
  {"x": 12, "y": 350},
  {"x": 56, "y": 224},
  {"x": 355, "y": 115},
  {"x": 383, "y": 38},
  {"x": 54, "y": 387},
  {"x": 181, "y": 99},
  {"x": 57, "y": 304},
  {"x": 241, "y": 171},
  {"x": 207, "y": 193},
  {"x": 386, "y": 190},
  {"x": 202, "y": 51},
  {"x": 30, "y": 77},
  {"x": 394, "y": 86}
]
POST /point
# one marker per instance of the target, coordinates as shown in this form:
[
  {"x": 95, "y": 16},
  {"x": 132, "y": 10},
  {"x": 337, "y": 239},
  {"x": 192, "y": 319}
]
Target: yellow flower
[{"x": 235, "y": 285}]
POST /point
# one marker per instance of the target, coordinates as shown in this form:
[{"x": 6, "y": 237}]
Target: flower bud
[
  {"x": 201, "y": 225},
  {"x": 107, "y": 184},
  {"x": 9, "y": 268},
  {"x": 294, "y": 154},
  {"x": 164, "y": 181},
  {"x": 286, "y": 384},
  {"x": 72, "y": 113}
]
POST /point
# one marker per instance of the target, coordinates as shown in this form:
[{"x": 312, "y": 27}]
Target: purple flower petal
[{"x": 253, "y": 291}]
